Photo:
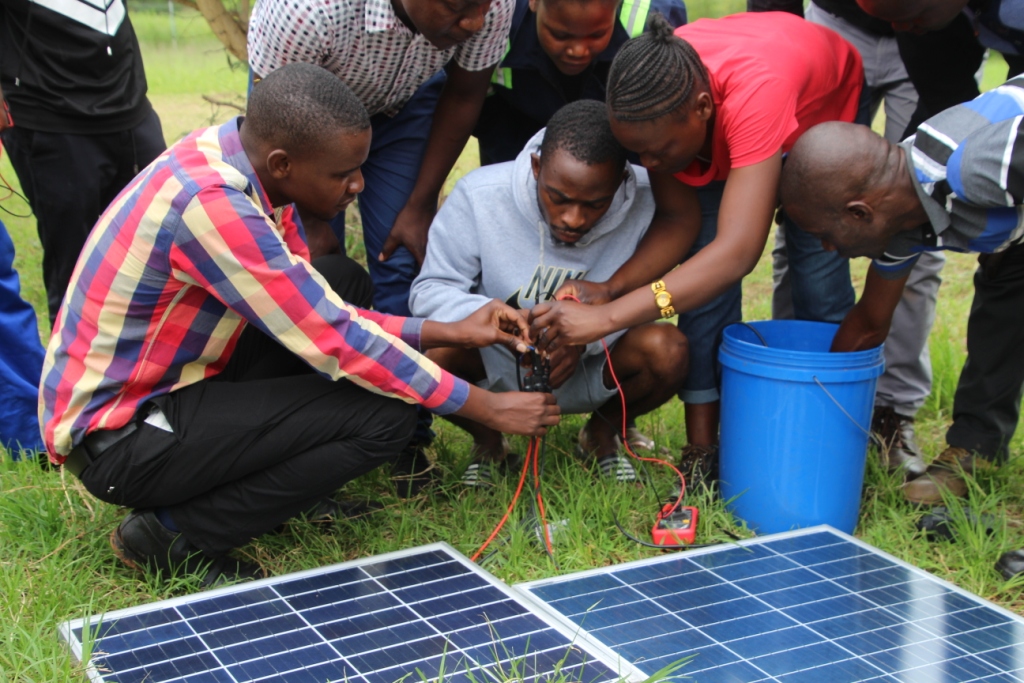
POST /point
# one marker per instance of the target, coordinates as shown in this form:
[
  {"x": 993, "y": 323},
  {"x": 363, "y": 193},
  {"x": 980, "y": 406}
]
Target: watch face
[{"x": 662, "y": 299}]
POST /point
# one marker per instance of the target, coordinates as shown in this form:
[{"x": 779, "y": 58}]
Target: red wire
[
  {"x": 540, "y": 500},
  {"x": 625, "y": 431},
  {"x": 533, "y": 454},
  {"x": 522, "y": 478}
]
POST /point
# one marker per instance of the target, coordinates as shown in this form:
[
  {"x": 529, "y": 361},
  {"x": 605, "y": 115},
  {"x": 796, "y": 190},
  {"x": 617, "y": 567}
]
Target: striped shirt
[
  {"x": 366, "y": 45},
  {"x": 176, "y": 266},
  {"x": 967, "y": 166}
]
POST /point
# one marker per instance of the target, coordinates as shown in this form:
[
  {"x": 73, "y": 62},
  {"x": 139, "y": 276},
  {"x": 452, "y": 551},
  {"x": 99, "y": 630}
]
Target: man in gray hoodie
[{"x": 569, "y": 206}]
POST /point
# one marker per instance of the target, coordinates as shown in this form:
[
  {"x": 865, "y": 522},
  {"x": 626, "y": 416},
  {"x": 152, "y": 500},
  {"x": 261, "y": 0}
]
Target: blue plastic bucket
[{"x": 790, "y": 457}]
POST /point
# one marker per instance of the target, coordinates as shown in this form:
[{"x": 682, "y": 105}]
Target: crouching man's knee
[
  {"x": 397, "y": 424},
  {"x": 666, "y": 353}
]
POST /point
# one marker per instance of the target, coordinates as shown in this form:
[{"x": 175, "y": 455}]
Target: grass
[{"x": 55, "y": 563}]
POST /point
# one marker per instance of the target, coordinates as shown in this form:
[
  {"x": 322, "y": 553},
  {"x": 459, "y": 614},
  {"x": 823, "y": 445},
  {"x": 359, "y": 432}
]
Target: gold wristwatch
[{"x": 662, "y": 299}]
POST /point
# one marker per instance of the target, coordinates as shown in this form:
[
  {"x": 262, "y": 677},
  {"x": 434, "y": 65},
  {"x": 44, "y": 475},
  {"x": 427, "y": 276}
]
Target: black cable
[
  {"x": 655, "y": 545},
  {"x": 11, "y": 213},
  {"x": 754, "y": 330},
  {"x": 7, "y": 186}
]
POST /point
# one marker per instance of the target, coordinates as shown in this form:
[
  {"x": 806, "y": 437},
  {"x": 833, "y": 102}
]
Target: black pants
[
  {"x": 69, "y": 180},
  {"x": 942, "y": 65},
  {"x": 986, "y": 407},
  {"x": 261, "y": 442}
]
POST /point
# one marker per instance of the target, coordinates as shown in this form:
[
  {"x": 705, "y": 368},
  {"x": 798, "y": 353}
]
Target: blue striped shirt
[{"x": 967, "y": 166}]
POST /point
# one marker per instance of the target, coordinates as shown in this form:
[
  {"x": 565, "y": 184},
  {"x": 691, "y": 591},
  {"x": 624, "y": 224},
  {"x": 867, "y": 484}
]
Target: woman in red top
[{"x": 711, "y": 110}]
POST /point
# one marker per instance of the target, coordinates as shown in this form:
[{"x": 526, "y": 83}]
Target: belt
[{"x": 94, "y": 445}]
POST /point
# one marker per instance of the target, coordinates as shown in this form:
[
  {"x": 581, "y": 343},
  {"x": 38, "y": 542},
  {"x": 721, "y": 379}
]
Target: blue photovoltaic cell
[
  {"x": 814, "y": 606},
  {"x": 418, "y": 616}
]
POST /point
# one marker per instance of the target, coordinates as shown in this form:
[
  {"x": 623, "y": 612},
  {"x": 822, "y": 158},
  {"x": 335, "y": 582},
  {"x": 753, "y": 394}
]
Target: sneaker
[
  {"x": 699, "y": 464},
  {"x": 483, "y": 471},
  {"x": 898, "y": 449},
  {"x": 1011, "y": 564},
  {"x": 637, "y": 440},
  {"x": 615, "y": 465},
  {"x": 413, "y": 472},
  {"x": 142, "y": 542},
  {"x": 479, "y": 473},
  {"x": 945, "y": 473},
  {"x": 618, "y": 467}
]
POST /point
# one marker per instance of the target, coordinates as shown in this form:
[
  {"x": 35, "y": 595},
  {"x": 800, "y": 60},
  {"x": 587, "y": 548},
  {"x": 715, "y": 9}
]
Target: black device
[{"x": 539, "y": 378}]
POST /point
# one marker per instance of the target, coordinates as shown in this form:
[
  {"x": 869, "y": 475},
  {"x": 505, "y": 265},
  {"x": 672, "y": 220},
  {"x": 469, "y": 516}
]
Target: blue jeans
[
  {"x": 820, "y": 280},
  {"x": 703, "y": 325},
  {"x": 21, "y": 360},
  {"x": 390, "y": 172}
]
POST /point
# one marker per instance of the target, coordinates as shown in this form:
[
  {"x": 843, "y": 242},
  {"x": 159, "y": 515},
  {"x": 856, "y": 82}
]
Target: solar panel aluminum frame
[
  {"x": 571, "y": 632},
  {"x": 553, "y": 614}
]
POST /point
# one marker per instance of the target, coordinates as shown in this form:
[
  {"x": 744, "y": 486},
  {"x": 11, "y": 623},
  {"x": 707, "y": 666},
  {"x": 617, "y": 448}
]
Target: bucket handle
[{"x": 872, "y": 437}]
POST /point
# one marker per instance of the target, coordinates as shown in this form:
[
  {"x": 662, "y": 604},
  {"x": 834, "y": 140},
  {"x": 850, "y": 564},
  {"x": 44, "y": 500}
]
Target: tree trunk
[{"x": 229, "y": 28}]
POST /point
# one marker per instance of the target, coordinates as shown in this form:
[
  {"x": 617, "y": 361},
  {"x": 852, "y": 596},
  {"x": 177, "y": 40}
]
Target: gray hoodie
[{"x": 489, "y": 241}]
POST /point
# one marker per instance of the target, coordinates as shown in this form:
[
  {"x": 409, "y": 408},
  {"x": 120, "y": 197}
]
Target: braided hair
[{"x": 654, "y": 74}]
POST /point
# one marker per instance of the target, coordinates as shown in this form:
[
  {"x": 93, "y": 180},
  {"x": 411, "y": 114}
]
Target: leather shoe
[
  {"x": 413, "y": 472},
  {"x": 945, "y": 473},
  {"x": 898, "y": 449},
  {"x": 699, "y": 464},
  {"x": 142, "y": 542},
  {"x": 1011, "y": 564}
]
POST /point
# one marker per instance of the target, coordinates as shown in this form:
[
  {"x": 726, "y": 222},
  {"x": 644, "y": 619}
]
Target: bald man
[{"x": 957, "y": 184}]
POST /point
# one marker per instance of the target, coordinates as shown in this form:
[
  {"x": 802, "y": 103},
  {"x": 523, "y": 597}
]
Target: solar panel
[
  {"x": 812, "y": 605},
  {"x": 421, "y": 614}
]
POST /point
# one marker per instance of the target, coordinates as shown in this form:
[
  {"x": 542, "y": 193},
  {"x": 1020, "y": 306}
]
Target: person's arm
[
  {"x": 744, "y": 220},
  {"x": 244, "y": 263},
  {"x": 867, "y": 324},
  {"x": 443, "y": 290},
  {"x": 457, "y": 111},
  {"x": 493, "y": 323},
  {"x": 511, "y": 412}
]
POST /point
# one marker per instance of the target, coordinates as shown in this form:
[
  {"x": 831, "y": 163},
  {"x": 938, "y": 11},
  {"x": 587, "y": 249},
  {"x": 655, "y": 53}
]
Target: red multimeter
[{"x": 675, "y": 526}]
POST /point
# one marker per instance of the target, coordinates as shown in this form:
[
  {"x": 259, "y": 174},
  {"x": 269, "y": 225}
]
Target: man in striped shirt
[
  {"x": 958, "y": 184},
  {"x": 204, "y": 373}
]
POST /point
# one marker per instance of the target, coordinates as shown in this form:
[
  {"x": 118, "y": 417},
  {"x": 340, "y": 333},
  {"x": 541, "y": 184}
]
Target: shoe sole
[{"x": 122, "y": 553}]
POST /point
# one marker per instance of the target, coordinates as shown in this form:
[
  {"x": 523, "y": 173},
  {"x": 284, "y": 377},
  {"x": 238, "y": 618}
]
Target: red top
[{"x": 773, "y": 76}]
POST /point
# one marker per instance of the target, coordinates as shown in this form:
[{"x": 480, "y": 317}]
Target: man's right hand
[
  {"x": 514, "y": 412},
  {"x": 593, "y": 293}
]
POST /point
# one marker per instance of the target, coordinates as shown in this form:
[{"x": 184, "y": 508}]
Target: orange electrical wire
[
  {"x": 540, "y": 500},
  {"x": 522, "y": 478},
  {"x": 533, "y": 455}
]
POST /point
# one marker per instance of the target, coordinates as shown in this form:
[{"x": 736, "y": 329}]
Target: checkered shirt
[
  {"x": 176, "y": 266},
  {"x": 366, "y": 45}
]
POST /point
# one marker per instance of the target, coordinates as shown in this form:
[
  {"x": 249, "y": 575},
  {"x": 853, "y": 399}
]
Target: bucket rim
[{"x": 797, "y": 359}]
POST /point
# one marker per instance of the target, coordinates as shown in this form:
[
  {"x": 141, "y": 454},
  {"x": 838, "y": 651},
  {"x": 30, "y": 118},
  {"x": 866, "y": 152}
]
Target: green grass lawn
[{"x": 55, "y": 563}]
